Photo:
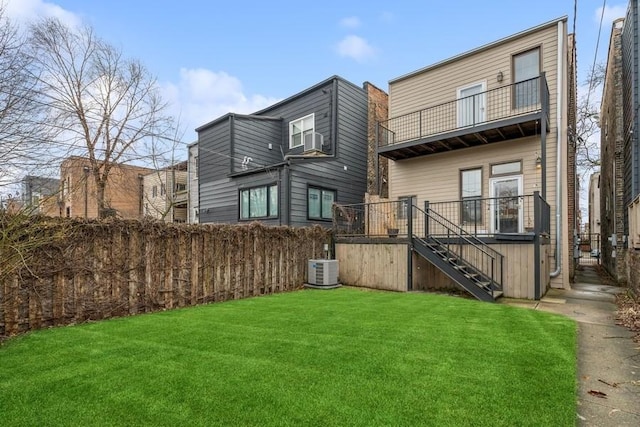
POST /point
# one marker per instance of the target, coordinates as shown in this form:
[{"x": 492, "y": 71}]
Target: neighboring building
[
  {"x": 289, "y": 163},
  {"x": 615, "y": 140},
  {"x": 165, "y": 194},
  {"x": 192, "y": 184},
  {"x": 478, "y": 144},
  {"x": 40, "y": 194},
  {"x": 594, "y": 205},
  {"x": 123, "y": 192}
]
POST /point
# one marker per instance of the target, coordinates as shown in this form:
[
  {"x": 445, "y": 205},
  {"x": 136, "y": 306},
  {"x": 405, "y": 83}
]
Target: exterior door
[
  {"x": 471, "y": 104},
  {"x": 506, "y": 204}
]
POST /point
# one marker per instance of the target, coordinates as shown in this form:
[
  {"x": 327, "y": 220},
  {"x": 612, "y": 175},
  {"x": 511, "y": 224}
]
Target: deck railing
[
  {"x": 486, "y": 217},
  {"x": 496, "y": 104}
]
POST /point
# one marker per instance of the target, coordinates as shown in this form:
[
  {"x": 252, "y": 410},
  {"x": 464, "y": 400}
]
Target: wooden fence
[{"x": 100, "y": 269}]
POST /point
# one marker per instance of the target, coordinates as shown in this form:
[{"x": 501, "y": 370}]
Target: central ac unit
[
  {"x": 323, "y": 272},
  {"x": 313, "y": 141}
]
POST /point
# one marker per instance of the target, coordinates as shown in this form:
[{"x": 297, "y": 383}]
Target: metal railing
[
  {"x": 459, "y": 244},
  {"x": 481, "y": 217},
  {"x": 382, "y": 219},
  {"x": 492, "y": 215},
  {"x": 496, "y": 104}
]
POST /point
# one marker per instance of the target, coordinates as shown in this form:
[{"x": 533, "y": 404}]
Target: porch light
[
  {"x": 538, "y": 161},
  {"x": 500, "y": 77}
]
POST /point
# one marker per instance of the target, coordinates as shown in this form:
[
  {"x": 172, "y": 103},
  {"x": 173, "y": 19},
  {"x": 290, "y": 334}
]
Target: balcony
[
  {"x": 495, "y": 219},
  {"x": 508, "y": 112}
]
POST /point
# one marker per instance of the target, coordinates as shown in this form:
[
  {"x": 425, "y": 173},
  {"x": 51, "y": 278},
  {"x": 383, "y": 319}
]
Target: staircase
[{"x": 471, "y": 263}]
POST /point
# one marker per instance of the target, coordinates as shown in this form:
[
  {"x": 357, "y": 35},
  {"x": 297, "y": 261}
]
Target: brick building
[
  {"x": 612, "y": 184},
  {"x": 123, "y": 193}
]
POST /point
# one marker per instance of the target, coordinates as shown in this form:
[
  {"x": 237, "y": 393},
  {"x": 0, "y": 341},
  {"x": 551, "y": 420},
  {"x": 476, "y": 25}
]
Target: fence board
[{"x": 124, "y": 267}]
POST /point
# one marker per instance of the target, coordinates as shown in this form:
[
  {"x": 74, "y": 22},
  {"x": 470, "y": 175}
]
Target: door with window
[
  {"x": 471, "y": 104},
  {"x": 506, "y": 204}
]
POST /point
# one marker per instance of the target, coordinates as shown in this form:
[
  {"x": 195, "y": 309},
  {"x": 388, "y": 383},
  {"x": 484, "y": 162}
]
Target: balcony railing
[
  {"x": 487, "y": 217},
  {"x": 517, "y": 99}
]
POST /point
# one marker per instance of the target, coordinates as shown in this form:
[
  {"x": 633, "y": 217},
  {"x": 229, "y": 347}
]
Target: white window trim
[
  {"x": 492, "y": 195},
  {"x": 301, "y": 119},
  {"x": 483, "y": 98}
]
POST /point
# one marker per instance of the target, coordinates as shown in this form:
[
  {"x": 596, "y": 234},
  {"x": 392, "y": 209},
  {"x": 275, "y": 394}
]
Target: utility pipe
[{"x": 561, "y": 82}]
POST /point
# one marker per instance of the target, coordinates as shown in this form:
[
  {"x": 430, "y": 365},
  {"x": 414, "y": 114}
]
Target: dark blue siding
[{"x": 340, "y": 115}]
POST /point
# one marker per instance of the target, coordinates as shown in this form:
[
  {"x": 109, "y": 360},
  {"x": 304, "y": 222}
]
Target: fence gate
[{"x": 589, "y": 249}]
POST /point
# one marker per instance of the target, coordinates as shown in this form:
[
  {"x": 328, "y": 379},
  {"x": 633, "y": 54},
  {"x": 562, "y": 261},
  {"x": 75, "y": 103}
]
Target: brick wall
[
  {"x": 378, "y": 107},
  {"x": 612, "y": 161}
]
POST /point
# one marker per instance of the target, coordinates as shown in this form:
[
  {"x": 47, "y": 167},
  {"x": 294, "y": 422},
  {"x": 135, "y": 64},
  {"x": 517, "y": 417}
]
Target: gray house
[{"x": 288, "y": 163}]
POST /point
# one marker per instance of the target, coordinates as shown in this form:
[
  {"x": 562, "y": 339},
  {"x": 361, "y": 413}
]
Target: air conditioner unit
[
  {"x": 313, "y": 141},
  {"x": 323, "y": 272}
]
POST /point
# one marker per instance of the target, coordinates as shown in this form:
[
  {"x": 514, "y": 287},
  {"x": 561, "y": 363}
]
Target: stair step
[
  {"x": 471, "y": 275},
  {"x": 460, "y": 267}
]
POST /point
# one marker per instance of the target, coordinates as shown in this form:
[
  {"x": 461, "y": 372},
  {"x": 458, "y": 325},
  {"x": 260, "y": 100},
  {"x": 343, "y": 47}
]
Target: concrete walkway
[{"x": 608, "y": 360}]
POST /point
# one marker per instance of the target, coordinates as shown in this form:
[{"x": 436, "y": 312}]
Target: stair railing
[{"x": 430, "y": 227}]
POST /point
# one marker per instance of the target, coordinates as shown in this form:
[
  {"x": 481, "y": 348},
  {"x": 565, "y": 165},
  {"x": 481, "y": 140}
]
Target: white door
[
  {"x": 506, "y": 204},
  {"x": 471, "y": 104}
]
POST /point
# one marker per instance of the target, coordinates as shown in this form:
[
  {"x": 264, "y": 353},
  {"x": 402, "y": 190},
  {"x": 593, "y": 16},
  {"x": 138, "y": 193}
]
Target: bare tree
[
  {"x": 103, "y": 105},
  {"x": 588, "y": 124},
  {"x": 22, "y": 134}
]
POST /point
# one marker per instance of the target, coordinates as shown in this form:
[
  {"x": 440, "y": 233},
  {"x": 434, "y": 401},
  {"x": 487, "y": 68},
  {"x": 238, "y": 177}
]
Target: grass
[{"x": 341, "y": 357}]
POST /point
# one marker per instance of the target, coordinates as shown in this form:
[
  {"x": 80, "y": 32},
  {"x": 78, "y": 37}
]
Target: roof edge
[{"x": 480, "y": 48}]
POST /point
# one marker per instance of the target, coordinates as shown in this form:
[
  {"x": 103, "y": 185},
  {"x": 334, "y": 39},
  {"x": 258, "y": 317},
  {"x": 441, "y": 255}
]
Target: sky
[{"x": 215, "y": 57}]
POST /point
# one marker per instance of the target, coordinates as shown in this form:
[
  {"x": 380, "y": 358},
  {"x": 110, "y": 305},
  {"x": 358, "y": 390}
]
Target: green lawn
[{"x": 340, "y": 357}]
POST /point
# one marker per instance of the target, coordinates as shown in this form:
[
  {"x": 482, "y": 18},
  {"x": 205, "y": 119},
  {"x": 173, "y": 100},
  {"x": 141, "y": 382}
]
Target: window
[
  {"x": 181, "y": 187},
  {"x": 195, "y": 167},
  {"x": 163, "y": 190},
  {"x": 259, "y": 202},
  {"x": 154, "y": 191},
  {"x": 403, "y": 206},
  {"x": 320, "y": 203},
  {"x": 511, "y": 168},
  {"x": 526, "y": 67},
  {"x": 471, "y": 195},
  {"x": 298, "y": 129}
]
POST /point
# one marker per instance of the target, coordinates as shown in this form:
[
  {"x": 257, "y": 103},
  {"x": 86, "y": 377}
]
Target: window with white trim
[
  {"x": 320, "y": 203},
  {"x": 259, "y": 202},
  {"x": 299, "y": 128}
]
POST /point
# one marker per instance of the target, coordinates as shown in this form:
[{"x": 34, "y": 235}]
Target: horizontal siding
[
  {"x": 317, "y": 102},
  {"x": 439, "y": 85},
  {"x": 251, "y": 139}
]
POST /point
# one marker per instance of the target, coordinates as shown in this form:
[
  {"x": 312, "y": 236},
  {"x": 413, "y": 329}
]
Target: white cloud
[
  {"x": 203, "y": 95},
  {"x": 611, "y": 13},
  {"x": 24, "y": 11},
  {"x": 356, "y": 47},
  {"x": 350, "y": 22}
]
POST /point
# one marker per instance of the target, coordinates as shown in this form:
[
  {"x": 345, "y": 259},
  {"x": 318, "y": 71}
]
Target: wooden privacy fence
[{"x": 89, "y": 270}]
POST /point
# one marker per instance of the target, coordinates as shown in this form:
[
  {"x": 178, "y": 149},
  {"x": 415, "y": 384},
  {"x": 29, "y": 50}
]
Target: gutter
[{"x": 559, "y": 101}]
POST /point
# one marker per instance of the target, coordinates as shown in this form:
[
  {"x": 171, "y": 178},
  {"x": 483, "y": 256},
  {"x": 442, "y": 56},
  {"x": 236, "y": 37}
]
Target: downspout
[{"x": 559, "y": 101}]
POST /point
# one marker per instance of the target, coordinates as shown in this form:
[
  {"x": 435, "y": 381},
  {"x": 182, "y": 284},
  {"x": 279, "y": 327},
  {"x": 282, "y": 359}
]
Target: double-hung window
[
  {"x": 471, "y": 189},
  {"x": 320, "y": 202},
  {"x": 526, "y": 70},
  {"x": 299, "y": 128},
  {"x": 259, "y": 202}
]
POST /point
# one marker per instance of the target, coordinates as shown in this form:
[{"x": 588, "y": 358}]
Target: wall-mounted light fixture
[
  {"x": 538, "y": 161},
  {"x": 500, "y": 77}
]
